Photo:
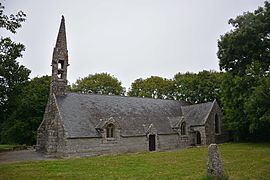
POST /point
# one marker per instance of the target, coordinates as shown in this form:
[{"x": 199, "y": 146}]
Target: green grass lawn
[
  {"x": 11, "y": 147},
  {"x": 6, "y": 147},
  {"x": 240, "y": 161}
]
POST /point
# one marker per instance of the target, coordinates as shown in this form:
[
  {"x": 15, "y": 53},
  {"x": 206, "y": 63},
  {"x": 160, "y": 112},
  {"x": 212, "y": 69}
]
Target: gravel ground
[{"x": 23, "y": 155}]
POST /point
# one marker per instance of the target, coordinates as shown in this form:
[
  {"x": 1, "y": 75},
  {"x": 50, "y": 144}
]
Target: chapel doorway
[
  {"x": 152, "y": 142},
  {"x": 198, "y": 138}
]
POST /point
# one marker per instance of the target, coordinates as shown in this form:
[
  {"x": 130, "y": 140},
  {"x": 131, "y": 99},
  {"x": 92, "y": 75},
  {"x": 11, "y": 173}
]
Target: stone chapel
[{"x": 76, "y": 124}]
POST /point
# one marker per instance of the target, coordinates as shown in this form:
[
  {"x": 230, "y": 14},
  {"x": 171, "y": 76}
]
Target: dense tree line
[
  {"x": 12, "y": 75},
  {"x": 21, "y": 125},
  {"x": 22, "y": 101},
  {"x": 198, "y": 88},
  {"x": 153, "y": 87},
  {"x": 190, "y": 87},
  {"x": 244, "y": 54},
  {"x": 242, "y": 88},
  {"x": 99, "y": 83}
]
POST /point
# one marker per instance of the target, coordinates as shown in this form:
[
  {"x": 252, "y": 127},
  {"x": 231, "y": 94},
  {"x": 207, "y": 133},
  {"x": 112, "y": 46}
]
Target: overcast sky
[{"x": 129, "y": 39}]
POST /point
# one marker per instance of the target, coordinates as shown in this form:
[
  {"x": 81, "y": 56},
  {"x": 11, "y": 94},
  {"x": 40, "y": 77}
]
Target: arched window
[
  {"x": 183, "y": 128},
  {"x": 217, "y": 125},
  {"x": 110, "y": 131}
]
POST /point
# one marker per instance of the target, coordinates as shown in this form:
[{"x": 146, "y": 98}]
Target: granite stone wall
[
  {"x": 52, "y": 139},
  {"x": 50, "y": 134},
  {"x": 201, "y": 130},
  {"x": 97, "y": 146},
  {"x": 210, "y": 124},
  {"x": 211, "y": 135}
]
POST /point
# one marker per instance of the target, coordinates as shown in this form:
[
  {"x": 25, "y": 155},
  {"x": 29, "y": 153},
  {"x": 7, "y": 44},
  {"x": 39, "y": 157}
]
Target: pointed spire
[
  {"x": 60, "y": 62},
  {"x": 61, "y": 41}
]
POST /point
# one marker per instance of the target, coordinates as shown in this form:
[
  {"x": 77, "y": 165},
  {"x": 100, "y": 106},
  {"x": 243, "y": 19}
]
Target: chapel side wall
[
  {"x": 99, "y": 146},
  {"x": 202, "y": 130},
  {"x": 210, "y": 124},
  {"x": 224, "y": 136},
  {"x": 168, "y": 142},
  {"x": 51, "y": 144},
  {"x": 210, "y": 130},
  {"x": 42, "y": 131},
  {"x": 42, "y": 135},
  {"x": 184, "y": 141},
  {"x": 51, "y": 134},
  {"x": 61, "y": 138},
  {"x": 50, "y": 138}
]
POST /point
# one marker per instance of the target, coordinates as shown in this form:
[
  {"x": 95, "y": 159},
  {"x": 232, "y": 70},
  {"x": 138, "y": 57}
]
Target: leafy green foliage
[
  {"x": 12, "y": 75},
  {"x": 244, "y": 54},
  {"x": 153, "y": 87},
  {"x": 249, "y": 41},
  {"x": 198, "y": 88},
  {"x": 258, "y": 111},
  {"x": 100, "y": 83},
  {"x": 189, "y": 87},
  {"x": 11, "y": 22},
  {"x": 22, "y": 124},
  {"x": 234, "y": 94}
]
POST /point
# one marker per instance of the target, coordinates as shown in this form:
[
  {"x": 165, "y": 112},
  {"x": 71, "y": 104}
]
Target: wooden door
[
  {"x": 152, "y": 142},
  {"x": 199, "y": 141}
]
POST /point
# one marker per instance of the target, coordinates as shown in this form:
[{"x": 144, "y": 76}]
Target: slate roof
[
  {"x": 197, "y": 114},
  {"x": 175, "y": 121},
  {"x": 81, "y": 113}
]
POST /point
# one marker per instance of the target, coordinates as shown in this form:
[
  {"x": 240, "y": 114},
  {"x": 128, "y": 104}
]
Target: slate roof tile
[
  {"x": 81, "y": 113},
  {"x": 196, "y": 114}
]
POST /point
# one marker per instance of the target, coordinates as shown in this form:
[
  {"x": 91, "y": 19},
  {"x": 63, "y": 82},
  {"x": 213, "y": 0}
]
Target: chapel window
[
  {"x": 60, "y": 64},
  {"x": 60, "y": 75},
  {"x": 217, "y": 125},
  {"x": 183, "y": 128},
  {"x": 110, "y": 131}
]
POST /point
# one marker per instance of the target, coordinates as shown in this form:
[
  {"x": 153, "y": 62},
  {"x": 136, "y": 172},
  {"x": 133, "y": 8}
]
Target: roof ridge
[
  {"x": 198, "y": 104},
  {"x": 124, "y": 96}
]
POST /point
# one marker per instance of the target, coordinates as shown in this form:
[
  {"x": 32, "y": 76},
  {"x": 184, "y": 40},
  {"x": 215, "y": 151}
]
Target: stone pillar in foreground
[{"x": 214, "y": 164}]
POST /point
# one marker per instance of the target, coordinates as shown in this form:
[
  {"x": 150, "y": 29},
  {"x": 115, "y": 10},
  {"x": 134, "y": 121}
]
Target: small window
[
  {"x": 60, "y": 64},
  {"x": 60, "y": 76},
  {"x": 183, "y": 128},
  {"x": 217, "y": 125},
  {"x": 110, "y": 131}
]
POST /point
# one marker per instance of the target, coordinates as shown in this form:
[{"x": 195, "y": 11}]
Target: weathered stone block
[{"x": 214, "y": 164}]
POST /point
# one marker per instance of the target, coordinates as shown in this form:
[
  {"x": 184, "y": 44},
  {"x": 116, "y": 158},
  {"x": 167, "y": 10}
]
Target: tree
[
  {"x": 13, "y": 22},
  {"x": 153, "y": 87},
  {"x": 22, "y": 124},
  {"x": 233, "y": 95},
  {"x": 258, "y": 111},
  {"x": 198, "y": 88},
  {"x": 248, "y": 42},
  {"x": 244, "y": 54},
  {"x": 99, "y": 83},
  {"x": 12, "y": 75}
]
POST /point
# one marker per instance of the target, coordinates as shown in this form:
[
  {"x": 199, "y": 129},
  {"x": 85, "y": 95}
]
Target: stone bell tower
[{"x": 60, "y": 62}]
